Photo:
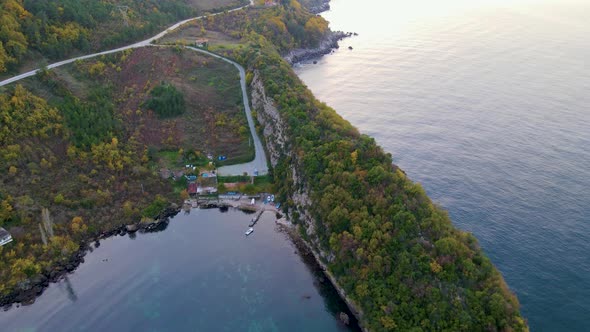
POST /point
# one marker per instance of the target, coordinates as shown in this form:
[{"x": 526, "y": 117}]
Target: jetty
[
  {"x": 241, "y": 202},
  {"x": 256, "y": 218}
]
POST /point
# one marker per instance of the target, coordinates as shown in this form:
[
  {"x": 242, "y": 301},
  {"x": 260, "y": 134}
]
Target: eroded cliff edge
[{"x": 274, "y": 130}]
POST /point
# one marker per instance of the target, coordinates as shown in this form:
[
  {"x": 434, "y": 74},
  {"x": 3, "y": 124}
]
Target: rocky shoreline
[
  {"x": 306, "y": 252},
  {"x": 327, "y": 45},
  {"x": 35, "y": 287},
  {"x": 319, "y": 7}
]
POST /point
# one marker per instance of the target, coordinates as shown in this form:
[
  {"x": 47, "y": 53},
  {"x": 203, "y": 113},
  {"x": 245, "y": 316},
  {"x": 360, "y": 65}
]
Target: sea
[{"x": 487, "y": 105}]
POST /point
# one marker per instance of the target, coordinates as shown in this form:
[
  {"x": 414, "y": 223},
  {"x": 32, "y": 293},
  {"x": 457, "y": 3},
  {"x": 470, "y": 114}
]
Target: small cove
[{"x": 201, "y": 273}]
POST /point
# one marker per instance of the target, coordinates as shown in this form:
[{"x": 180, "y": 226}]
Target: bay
[{"x": 201, "y": 273}]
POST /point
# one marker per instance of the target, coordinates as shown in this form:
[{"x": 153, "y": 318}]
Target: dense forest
[
  {"x": 396, "y": 254},
  {"x": 53, "y": 29}
]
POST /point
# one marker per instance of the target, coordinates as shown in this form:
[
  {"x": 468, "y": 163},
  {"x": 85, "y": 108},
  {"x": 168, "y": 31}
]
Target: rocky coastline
[
  {"x": 33, "y": 288},
  {"x": 327, "y": 46},
  {"x": 319, "y": 6},
  {"x": 310, "y": 256}
]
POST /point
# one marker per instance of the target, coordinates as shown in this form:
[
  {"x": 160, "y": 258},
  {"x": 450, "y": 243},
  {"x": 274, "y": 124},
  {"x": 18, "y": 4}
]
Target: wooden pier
[{"x": 256, "y": 218}]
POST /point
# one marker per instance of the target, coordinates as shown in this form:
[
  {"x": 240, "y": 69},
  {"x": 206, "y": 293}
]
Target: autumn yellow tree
[{"x": 78, "y": 225}]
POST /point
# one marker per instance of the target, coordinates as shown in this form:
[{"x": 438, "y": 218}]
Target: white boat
[{"x": 249, "y": 231}]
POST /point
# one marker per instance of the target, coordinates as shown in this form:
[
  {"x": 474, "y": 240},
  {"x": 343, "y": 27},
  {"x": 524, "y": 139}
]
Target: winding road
[{"x": 258, "y": 164}]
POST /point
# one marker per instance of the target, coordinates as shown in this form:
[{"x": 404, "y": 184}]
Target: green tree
[{"x": 166, "y": 101}]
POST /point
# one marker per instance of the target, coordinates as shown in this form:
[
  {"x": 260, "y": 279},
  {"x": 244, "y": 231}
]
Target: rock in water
[
  {"x": 344, "y": 318},
  {"x": 132, "y": 228}
]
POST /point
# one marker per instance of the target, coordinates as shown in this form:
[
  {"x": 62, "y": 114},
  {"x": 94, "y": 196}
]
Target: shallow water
[
  {"x": 200, "y": 274},
  {"x": 487, "y": 104}
]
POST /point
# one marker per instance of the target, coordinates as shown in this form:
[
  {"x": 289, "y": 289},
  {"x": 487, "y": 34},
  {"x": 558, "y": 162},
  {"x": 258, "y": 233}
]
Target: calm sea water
[
  {"x": 200, "y": 274},
  {"x": 487, "y": 104}
]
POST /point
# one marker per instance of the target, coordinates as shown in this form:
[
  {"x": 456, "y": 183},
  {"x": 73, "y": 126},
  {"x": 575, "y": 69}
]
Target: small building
[
  {"x": 202, "y": 190},
  {"x": 5, "y": 237},
  {"x": 208, "y": 174},
  {"x": 207, "y": 184},
  {"x": 202, "y": 42},
  {"x": 192, "y": 188}
]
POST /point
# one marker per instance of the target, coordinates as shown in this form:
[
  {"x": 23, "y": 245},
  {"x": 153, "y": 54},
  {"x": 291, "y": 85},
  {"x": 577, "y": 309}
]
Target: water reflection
[{"x": 69, "y": 289}]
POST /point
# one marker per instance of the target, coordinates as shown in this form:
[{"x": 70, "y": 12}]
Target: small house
[
  {"x": 192, "y": 188},
  {"x": 208, "y": 190},
  {"x": 5, "y": 237},
  {"x": 202, "y": 42}
]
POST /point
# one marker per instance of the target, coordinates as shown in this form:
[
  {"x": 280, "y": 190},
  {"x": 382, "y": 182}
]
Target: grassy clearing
[
  {"x": 193, "y": 31},
  {"x": 245, "y": 185}
]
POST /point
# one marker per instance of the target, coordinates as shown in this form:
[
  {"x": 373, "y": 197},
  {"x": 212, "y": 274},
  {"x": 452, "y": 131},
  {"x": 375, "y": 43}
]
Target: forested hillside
[
  {"x": 395, "y": 253},
  {"x": 35, "y": 29}
]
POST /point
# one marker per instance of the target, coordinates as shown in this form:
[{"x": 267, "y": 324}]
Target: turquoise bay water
[
  {"x": 487, "y": 104},
  {"x": 200, "y": 274}
]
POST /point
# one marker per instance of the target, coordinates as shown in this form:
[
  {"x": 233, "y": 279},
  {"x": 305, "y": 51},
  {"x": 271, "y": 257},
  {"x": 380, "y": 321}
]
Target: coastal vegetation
[{"x": 396, "y": 254}]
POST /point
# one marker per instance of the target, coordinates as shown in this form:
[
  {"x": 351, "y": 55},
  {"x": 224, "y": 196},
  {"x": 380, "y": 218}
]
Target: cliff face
[{"x": 275, "y": 133}]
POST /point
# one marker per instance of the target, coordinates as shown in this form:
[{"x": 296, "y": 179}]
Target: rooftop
[{"x": 5, "y": 237}]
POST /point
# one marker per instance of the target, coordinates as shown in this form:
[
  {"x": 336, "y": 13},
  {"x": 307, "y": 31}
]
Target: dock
[{"x": 256, "y": 218}]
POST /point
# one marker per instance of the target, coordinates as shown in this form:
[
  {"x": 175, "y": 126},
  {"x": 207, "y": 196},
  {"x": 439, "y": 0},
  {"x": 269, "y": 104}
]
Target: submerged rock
[{"x": 344, "y": 318}]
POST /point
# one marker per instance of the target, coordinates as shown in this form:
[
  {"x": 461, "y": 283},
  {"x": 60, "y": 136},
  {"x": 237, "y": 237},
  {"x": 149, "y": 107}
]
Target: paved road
[
  {"x": 143, "y": 43},
  {"x": 258, "y": 164}
]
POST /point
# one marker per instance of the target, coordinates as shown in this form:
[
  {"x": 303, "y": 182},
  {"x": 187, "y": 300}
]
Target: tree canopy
[{"x": 166, "y": 101}]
